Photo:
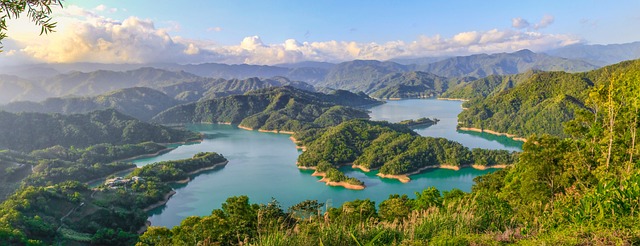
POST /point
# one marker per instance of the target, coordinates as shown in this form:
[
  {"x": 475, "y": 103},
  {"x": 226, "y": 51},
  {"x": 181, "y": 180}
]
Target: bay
[{"x": 262, "y": 166}]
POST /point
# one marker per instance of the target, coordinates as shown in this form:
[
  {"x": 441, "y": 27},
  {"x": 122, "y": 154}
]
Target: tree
[{"x": 38, "y": 11}]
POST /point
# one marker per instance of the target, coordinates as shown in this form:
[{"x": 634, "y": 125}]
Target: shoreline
[
  {"x": 404, "y": 178},
  {"x": 453, "y": 99},
  {"x": 164, "y": 201},
  {"x": 364, "y": 169},
  {"x": 188, "y": 179},
  {"x": 295, "y": 141},
  {"x": 332, "y": 183},
  {"x": 157, "y": 153},
  {"x": 512, "y": 136}
]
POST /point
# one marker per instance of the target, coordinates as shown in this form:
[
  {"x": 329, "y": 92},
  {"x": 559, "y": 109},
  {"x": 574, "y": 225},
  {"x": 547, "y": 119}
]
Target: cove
[{"x": 262, "y": 166}]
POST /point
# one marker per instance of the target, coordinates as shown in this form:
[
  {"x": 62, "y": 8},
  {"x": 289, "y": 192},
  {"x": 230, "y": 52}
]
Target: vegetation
[
  {"x": 69, "y": 212},
  {"x": 581, "y": 190},
  {"x": 487, "y": 86},
  {"x": 37, "y": 11},
  {"x": 138, "y": 102},
  {"x": 332, "y": 174},
  {"x": 540, "y": 104},
  {"x": 421, "y": 122},
  {"x": 32, "y": 131},
  {"x": 280, "y": 108},
  {"x": 392, "y": 148},
  {"x": 172, "y": 171},
  {"x": 483, "y": 65}
]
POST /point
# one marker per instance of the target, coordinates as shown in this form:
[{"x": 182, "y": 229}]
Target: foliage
[
  {"x": 138, "y": 102},
  {"x": 391, "y": 147},
  {"x": 170, "y": 171},
  {"x": 32, "y": 131},
  {"x": 280, "y": 108},
  {"x": 541, "y": 103},
  {"x": 37, "y": 11}
]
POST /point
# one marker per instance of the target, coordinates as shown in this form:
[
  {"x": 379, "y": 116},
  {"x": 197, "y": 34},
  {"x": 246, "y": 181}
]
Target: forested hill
[
  {"x": 279, "y": 108},
  {"x": 31, "y": 131},
  {"x": 488, "y": 86},
  {"x": 139, "y": 102},
  {"x": 542, "y": 102},
  {"x": 483, "y": 65},
  {"x": 409, "y": 85}
]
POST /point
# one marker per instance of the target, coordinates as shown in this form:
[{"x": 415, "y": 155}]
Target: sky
[{"x": 286, "y": 31}]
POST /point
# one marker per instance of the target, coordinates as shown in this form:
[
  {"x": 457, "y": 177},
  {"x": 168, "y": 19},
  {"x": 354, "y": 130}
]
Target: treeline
[
  {"x": 171, "y": 171},
  {"x": 332, "y": 174},
  {"x": 421, "y": 122},
  {"x": 581, "y": 190},
  {"x": 32, "y": 131},
  {"x": 69, "y": 212},
  {"x": 392, "y": 148},
  {"x": 99, "y": 153},
  {"x": 541, "y": 103},
  {"x": 281, "y": 108}
]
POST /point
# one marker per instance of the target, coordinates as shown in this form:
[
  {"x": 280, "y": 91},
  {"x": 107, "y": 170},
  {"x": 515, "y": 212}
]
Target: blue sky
[
  {"x": 596, "y": 21},
  {"x": 267, "y": 32}
]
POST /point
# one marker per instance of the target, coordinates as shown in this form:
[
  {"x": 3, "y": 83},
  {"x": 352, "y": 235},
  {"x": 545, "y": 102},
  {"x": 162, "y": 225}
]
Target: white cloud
[
  {"x": 519, "y": 23},
  {"x": 84, "y": 36},
  {"x": 545, "y": 22}
]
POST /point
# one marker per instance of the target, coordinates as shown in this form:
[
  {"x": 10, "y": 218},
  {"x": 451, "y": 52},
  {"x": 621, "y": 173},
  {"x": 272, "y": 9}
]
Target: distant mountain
[
  {"x": 358, "y": 75},
  {"x": 229, "y": 87},
  {"x": 243, "y": 71},
  {"x": 308, "y": 64},
  {"x": 13, "y": 88},
  {"x": 483, "y": 65},
  {"x": 139, "y": 102},
  {"x": 600, "y": 55},
  {"x": 408, "y": 85},
  {"x": 418, "y": 61},
  {"x": 30, "y": 131},
  {"x": 488, "y": 86},
  {"x": 277, "y": 108},
  {"x": 99, "y": 82}
]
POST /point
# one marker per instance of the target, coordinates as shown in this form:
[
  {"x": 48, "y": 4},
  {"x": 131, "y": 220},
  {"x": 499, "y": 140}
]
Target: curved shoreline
[
  {"x": 512, "y": 136},
  {"x": 453, "y": 99},
  {"x": 157, "y": 153},
  {"x": 332, "y": 183},
  {"x": 188, "y": 179},
  {"x": 161, "y": 202},
  {"x": 404, "y": 178}
]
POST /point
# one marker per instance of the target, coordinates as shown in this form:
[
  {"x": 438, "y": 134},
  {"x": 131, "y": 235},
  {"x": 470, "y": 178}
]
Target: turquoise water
[
  {"x": 262, "y": 166},
  {"x": 447, "y": 112}
]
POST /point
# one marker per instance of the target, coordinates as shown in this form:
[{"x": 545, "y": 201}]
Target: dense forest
[
  {"x": 541, "y": 103},
  {"x": 392, "y": 148},
  {"x": 578, "y": 185},
  {"x": 31, "y": 131},
  {"x": 581, "y": 190},
  {"x": 279, "y": 108},
  {"x": 69, "y": 212},
  {"x": 139, "y": 102}
]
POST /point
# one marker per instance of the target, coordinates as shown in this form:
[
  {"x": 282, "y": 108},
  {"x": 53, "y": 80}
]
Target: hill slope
[
  {"x": 483, "y": 65},
  {"x": 278, "y": 108},
  {"x": 139, "y": 102},
  {"x": 540, "y": 104},
  {"x": 31, "y": 131}
]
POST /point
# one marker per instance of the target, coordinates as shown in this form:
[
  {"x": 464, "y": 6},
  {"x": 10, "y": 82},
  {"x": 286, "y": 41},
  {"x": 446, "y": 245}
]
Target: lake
[{"x": 262, "y": 166}]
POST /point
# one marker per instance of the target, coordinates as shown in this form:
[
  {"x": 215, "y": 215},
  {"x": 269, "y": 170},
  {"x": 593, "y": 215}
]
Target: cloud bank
[{"x": 85, "y": 36}]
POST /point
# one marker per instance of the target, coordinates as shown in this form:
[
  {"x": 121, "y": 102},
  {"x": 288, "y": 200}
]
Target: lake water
[{"x": 262, "y": 166}]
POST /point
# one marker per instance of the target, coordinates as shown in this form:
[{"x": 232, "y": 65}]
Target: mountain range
[{"x": 426, "y": 77}]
